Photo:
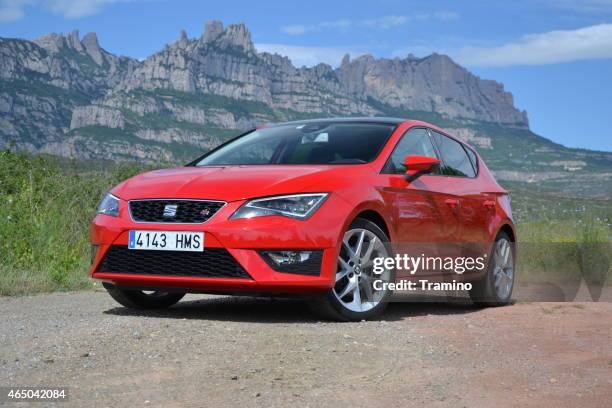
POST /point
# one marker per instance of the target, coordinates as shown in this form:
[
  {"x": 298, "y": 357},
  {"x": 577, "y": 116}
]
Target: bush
[
  {"x": 46, "y": 206},
  {"x": 561, "y": 251}
]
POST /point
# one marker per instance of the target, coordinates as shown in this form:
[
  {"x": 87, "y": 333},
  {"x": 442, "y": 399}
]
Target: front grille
[
  {"x": 211, "y": 263},
  {"x": 174, "y": 211}
]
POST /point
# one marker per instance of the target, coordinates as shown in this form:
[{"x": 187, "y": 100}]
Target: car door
[
  {"x": 461, "y": 184},
  {"x": 481, "y": 207},
  {"x": 423, "y": 220}
]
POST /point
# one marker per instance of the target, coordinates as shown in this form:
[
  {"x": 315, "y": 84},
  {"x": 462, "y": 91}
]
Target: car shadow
[{"x": 289, "y": 310}]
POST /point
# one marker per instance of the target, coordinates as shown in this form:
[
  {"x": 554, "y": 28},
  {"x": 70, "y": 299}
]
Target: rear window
[
  {"x": 454, "y": 156},
  {"x": 473, "y": 159}
]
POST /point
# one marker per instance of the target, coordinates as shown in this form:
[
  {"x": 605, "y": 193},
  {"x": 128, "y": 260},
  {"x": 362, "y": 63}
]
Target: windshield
[{"x": 306, "y": 143}]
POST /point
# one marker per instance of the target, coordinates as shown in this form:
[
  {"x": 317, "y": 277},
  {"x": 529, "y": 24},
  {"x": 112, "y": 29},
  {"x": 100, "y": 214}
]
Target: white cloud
[
  {"x": 295, "y": 29},
  {"x": 446, "y": 15},
  {"x": 12, "y": 10},
  {"x": 78, "y": 8},
  {"x": 308, "y": 56},
  {"x": 591, "y": 42},
  {"x": 382, "y": 23}
]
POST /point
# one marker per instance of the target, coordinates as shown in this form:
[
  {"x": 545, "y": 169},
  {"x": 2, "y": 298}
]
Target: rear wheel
[
  {"x": 354, "y": 296},
  {"x": 495, "y": 289},
  {"x": 138, "y": 299}
]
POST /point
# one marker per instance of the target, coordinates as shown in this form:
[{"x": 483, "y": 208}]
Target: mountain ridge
[
  {"x": 224, "y": 62},
  {"x": 66, "y": 95}
]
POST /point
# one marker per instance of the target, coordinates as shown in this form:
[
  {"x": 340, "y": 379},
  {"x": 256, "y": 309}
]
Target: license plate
[{"x": 167, "y": 241}]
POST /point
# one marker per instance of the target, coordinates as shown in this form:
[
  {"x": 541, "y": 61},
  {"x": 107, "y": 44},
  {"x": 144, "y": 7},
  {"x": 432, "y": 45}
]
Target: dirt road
[{"x": 214, "y": 351}]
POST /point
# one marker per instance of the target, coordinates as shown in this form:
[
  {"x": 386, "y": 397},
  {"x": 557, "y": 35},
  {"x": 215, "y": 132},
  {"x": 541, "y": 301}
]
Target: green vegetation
[
  {"x": 44, "y": 90},
  {"x": 239, "y": 107},
  {"x": 181, "y": 152},
  {"x": 165, "y": 122},
  {"x": 560, "y": 236},
  {"x": 46, "y": 204},
  {"x": 565, "y": 250},
  {"x": 59, "y": 113},
  {"x": 45, "y": 209},
  {"x": 531, "y": 203}
]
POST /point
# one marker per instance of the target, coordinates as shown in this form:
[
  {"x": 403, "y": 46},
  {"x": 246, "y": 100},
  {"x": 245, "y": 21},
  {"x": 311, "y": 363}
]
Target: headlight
[
  {"x": 109, "y": 205},
  {"x": 300, "y": 206}
]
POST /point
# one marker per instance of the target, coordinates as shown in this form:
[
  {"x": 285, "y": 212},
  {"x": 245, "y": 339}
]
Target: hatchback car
[{"x": 305, "y": 208}]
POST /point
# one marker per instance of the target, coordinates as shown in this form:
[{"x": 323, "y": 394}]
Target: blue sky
[{"x": 555, "y": 56}]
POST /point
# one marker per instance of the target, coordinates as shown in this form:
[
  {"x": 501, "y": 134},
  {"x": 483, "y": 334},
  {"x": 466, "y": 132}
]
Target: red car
[{"x": 305, "y": 208}]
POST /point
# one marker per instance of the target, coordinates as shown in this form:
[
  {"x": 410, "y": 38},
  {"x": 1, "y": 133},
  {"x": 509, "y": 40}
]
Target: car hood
[{"x": 228, "y": 183}]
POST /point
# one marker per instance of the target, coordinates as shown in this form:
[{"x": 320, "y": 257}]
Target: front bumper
[{"x": 242, "y": 239}]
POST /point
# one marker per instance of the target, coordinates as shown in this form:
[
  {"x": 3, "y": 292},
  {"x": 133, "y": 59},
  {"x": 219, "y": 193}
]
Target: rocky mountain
[
  {"x": 66, "y": 95},
  {"x": 432, "y": 84},
  {"x": 42, "y": 82}
]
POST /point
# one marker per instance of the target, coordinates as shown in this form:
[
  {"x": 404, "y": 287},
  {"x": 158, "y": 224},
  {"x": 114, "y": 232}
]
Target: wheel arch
[
  {"x": 375, "y": 217},
  {"x": 508, "y": 229}
]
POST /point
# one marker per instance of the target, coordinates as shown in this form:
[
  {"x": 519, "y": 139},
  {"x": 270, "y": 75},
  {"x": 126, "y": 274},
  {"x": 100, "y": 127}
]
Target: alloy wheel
[
  {"x": 503, "y": 268},
  {"x": 355, "y": 275}
]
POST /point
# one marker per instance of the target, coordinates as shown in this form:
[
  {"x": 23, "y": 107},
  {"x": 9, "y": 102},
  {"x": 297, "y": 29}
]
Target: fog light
[
  {"x": 289, "y": 257},
  {"x": 294, "y": 261}
]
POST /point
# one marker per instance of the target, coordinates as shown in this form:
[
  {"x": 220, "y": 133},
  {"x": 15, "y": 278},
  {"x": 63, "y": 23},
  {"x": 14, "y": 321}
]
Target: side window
[
  {"x": 456, "y": 160},
  {"x": 415, "y": 142}
]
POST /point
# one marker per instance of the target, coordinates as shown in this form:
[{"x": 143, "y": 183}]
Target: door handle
[
  {"x": 452, "y": 202},
  {"x": 490, "y": 204}
]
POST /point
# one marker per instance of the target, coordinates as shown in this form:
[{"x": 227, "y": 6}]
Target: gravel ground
[{"x": 218, "y": 351}]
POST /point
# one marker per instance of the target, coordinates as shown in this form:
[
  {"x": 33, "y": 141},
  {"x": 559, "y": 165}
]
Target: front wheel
[
  {"x": 355, "y": 296},
  {"x": 138, "y": 299},
  {"x": 495, "y": 289}
]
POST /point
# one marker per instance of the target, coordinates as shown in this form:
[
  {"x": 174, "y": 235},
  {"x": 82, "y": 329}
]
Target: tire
[
  {"x": 489, "y": 292},
  {"x": 137, "y": 299},
  {"x": 365, "y": 302}
]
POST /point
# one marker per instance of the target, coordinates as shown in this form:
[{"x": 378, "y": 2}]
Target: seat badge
[{"x": 170, "y": 210}]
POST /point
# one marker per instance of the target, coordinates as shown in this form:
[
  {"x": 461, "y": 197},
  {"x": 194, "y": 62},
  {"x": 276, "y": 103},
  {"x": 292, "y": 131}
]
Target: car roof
[{"x": 364, "y": 119}]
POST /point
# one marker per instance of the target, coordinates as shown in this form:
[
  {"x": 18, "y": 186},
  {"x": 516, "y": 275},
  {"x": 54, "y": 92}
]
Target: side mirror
[{"x": 416, "y": 166}]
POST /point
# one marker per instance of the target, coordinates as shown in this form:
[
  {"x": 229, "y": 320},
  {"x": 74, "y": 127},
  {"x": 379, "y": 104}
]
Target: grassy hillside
[{"x": 46, "y": 205}]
